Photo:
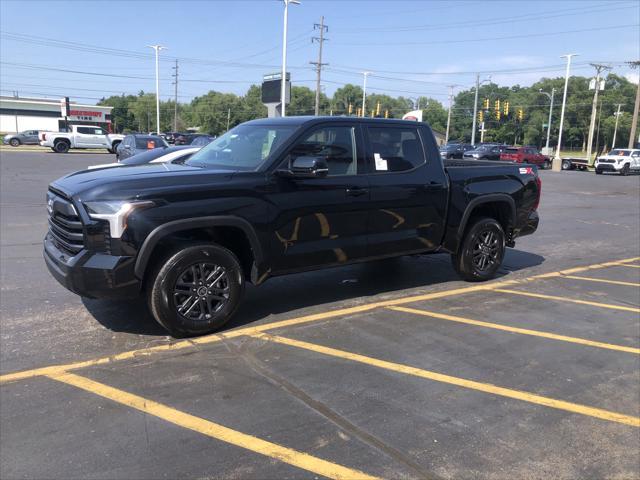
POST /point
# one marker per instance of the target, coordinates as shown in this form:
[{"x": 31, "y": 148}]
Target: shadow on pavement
[{"x": 313, "y": 289}]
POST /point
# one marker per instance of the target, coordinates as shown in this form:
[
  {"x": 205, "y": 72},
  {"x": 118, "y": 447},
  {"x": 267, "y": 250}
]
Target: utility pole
[
  {"x": 446, "y": 138},
  {"x": 323, "y": 28},
  {"x": 594, "y": 108},
  {"x": 283, "y": 81},
  {"x": 634, "y": 120},
  {"x": 175, "y": 94},
  {"x": 615, "y": 129},
  {"x": 157, "y": 49},
  {"x": 364, "y": 91},
  {"x": 553, "y": 92},
  {"x": 475, "y": 110},
  {"x": 228, "y": 117},
  {"x": 557, "y": 161}
]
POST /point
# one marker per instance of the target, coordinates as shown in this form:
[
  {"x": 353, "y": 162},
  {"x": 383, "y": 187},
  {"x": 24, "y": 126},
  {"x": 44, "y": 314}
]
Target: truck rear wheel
[
  {"x": 482, "y": 251},
  {"x": 196, "y": 290},
  {"x": 566, "y": 165},
  {"x": 61, "y": 146}
]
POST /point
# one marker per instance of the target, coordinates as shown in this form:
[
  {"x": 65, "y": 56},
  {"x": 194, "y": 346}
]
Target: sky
[{"x": 92, "y": 49}]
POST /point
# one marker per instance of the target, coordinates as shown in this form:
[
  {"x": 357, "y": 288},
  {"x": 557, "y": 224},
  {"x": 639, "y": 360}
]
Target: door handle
[
  {"x": 356, "y": 191},
  {"x": 434, "y": 185}
]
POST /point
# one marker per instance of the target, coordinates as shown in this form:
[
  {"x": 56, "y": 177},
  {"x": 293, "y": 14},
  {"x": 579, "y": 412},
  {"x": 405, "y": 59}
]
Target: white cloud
[{"x": 633, "y": 77}]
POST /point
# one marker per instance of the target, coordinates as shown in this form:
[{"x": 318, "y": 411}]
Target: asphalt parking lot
[{"x": 393, "y": 369}]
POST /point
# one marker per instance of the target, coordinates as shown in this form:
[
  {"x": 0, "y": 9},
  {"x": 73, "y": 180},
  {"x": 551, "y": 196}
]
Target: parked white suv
[
  {"x": 81, "y": 136},
  {"x": 621, "y": 160}
]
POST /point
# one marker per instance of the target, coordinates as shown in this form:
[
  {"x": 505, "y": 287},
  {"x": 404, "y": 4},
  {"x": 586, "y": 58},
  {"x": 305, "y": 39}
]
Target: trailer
[{"x": 573, "y": 163}]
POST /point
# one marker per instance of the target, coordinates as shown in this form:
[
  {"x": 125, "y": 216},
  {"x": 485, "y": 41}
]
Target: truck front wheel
[
  {"x": 61, "y": 147},
  {"x": 196, "y": 290},
  {"x": 625, "y": 170},
  {"x": 482, "y": 251}
]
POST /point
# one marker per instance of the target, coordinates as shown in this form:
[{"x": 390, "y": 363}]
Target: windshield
[
  {"x": 245, "y": 147},
  {"x": 620, "y": 153}
]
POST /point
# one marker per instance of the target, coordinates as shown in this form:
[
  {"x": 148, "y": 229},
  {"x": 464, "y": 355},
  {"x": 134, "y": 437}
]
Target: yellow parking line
[
  {"x": 522, "y": 331},
  {"x": 460, "y": 382},
  {"x": 602, "y": 280},
  {"x": 213, "y": 430},
  {"x": 632, "y": 266},
  {"x": 53, "y": 369},
  {"x": 571, "y": 300}
]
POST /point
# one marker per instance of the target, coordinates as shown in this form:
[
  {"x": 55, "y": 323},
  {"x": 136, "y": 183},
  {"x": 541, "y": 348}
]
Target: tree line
[{"x": 215, "y": 111}]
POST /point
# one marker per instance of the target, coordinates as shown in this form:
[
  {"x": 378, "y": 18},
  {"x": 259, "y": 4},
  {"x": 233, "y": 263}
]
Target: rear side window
[
  {"x": 510, "y": 150},
  {"x": 147, "y": 143},
  {"x": 396, "y": 149},
  {"x": 86, "y": 130}
]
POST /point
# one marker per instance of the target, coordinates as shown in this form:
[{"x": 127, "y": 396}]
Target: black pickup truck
[{"x": 278, "y": 196}]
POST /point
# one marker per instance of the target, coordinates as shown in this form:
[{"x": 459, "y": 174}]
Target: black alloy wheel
[
  {"x": 201, "y": 290},
  {"x": 482, "y": 251},
  {"x": 485, "y": 250}
]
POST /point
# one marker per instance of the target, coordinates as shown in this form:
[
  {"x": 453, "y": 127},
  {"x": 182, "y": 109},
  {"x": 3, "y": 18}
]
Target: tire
[
  {"x": 546, "y": 165},
  {"x": 598, "y": 171},
  {"x": 61, "y": 146},
  {"x": 625, "y": 170},
  {"x": 566, "y": 165},
  {"x": 178, "y": 294},
  {"x": 14, "y": 142},
  {"x": 481, "y": 252}
]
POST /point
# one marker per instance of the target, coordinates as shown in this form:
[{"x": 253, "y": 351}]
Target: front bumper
[
  {"x": 608, "y": 167},
  {"x": 93, "y": 275}
]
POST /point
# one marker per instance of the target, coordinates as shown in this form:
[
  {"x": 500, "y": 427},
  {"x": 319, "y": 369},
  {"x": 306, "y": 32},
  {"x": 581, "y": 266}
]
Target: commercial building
[{"x": 26, "y": 113}]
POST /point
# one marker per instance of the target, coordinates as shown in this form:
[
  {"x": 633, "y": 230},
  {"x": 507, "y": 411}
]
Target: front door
[
  {"x": 321, "y": 221},
  {"x": 408, "y": 191}
]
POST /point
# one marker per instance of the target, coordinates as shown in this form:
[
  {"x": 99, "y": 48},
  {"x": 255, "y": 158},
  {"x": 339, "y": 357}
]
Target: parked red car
[{"x": 526, "y": 155}]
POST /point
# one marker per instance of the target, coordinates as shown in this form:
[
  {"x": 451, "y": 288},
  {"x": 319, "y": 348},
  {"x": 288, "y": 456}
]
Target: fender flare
[
  {"x": 160, "y": 232},
  {"x": 491, "y": 198}
]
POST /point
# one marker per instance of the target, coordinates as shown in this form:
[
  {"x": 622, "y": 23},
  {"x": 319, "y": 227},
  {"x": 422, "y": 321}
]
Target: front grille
[
  {"x": 65, "y": 226},
  {"x": 606, "y": 160}
]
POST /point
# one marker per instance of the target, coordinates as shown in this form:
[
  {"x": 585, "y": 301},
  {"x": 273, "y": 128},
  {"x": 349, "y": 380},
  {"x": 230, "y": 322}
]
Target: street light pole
[
  {"x": 475, "y": 111},
  {"x": 157, "y": 49},
  {"x": 553, "y": 92},
  {"x": 364, "y": 91},
  {"x": 557, "y": 162},
  {"x": 446, "y": 138},
  {"x": 615, "y": 130},
  {"x": 283, "y": 81}
]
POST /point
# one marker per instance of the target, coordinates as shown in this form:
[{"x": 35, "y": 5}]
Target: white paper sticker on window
[{"x": 381, "y": 163}]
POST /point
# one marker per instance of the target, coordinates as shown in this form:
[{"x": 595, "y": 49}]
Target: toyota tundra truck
[
  {"x": 80, "y": 136},
  {"x": 278, "y": 196}
]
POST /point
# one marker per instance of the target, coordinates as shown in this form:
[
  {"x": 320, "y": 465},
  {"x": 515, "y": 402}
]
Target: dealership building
[{"x": 21, "y": 113}]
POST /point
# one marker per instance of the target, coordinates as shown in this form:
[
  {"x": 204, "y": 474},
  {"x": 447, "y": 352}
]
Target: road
[{"x": 393, "y": 369}]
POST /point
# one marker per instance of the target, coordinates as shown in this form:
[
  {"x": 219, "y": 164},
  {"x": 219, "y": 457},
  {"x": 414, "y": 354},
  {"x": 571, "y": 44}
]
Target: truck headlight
[{"x": 116, "y": 213}]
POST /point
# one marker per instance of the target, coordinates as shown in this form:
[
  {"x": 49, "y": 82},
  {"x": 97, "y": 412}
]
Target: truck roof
[{"x": 309, "y": 119}]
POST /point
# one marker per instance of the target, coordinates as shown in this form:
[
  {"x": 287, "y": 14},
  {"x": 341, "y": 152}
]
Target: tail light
[{"x": 539, "y": 187}]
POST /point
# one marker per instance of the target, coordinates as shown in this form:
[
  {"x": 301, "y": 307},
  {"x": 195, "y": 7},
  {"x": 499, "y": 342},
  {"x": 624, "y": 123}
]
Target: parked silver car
[
  {"x": 138, "y": 143},
  {"x": 28, "y": 137}
]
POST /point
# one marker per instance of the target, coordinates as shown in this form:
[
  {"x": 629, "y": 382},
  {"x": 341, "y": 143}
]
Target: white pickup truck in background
[{"x": 80, "y": 136}]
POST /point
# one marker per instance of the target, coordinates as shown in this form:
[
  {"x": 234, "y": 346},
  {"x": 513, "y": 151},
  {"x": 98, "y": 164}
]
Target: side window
[
  {"x": 396, "y": 149},
  {"x": 85, "y": 130},
  {"x": 335, "y": 144},
  {"x": 98, "y": 131}
]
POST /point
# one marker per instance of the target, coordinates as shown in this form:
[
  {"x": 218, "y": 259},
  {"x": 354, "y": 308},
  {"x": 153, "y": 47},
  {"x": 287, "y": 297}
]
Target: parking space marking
[
  {"x": 522, "y": 331},
  {"x": 219, "y": 432},
  {"x": 216, "y": 337},
  {"x": 602, "y": 280},
  {"x": 457, "y": 381},
  {"x": 632, "y": 266},
  {"x": 566, "y": 299}
]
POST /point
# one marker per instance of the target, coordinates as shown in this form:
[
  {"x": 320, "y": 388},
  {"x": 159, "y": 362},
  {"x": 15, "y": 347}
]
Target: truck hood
[{"x": 141, "y": 181}]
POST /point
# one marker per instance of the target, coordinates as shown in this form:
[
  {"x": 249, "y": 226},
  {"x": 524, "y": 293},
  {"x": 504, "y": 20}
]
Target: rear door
[{"x": 408, "y": 190}]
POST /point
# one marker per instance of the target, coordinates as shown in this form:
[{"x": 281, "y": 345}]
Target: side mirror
[{"x": 306, "y": 167}]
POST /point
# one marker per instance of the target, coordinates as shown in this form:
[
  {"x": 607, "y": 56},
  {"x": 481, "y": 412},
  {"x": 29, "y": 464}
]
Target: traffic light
[
  {"x": 386, "y": 114},
  {"x": 481, "y": 116},
  {"x": 506, "y": 108},
  {"x": 496, "y": 106},
  {"x": 498, "y": 112},
  {"x": 378, "y": 109},
  {"x": 485, "y": 104},
  {"x": 350, "y": 108},
  {"x": 520, "y": 114}
]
